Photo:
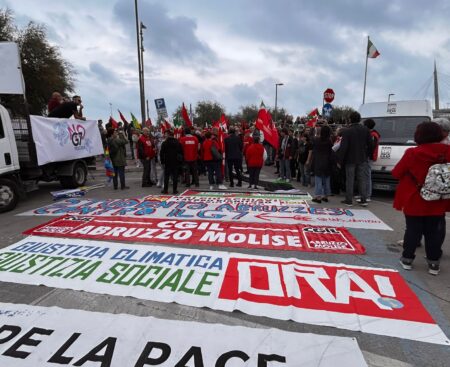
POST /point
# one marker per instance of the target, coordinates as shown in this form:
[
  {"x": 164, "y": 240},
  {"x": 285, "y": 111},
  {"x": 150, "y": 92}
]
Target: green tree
[
  {"x": 341, "y": 114},
  {"x": 249, "y": 113},
  {"x": 7, "y": 29},
  {"x": 44, "y": 69},
  {"x": 206, "y": 112}
]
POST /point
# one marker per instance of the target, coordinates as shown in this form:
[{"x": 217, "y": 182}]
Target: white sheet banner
[
  {"x": 43, "y": 337},
  {"x": 65, "y": 139},
  {"x": 163, "y": 207},
  {"x": 348, "y": 297}
]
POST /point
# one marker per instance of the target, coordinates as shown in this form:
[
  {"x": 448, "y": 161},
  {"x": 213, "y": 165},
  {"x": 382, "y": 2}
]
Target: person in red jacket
[
  {"x": 190, "y": 146},
  {"x": 255, "y": 156},
  {"x": 145, "y": 152},
  {"x": 422, "y": 217},
  {"x": 212, "y": 157}
]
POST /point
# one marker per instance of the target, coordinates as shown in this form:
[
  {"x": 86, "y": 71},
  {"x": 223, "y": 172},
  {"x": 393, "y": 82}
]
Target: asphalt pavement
[{"x": 382, "y": 251}]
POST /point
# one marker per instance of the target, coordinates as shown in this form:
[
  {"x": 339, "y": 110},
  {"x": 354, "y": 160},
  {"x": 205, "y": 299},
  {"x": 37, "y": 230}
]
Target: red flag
[
  {"x": 113, "y": 122},
  {"x": 223, "y": 123},
  {"x": 148, "y": 122},
  {"x": 124, "y": 120},
  {"x": 265, "y": 124},
  {"x": 312, "y": 118},
  {"x": 185, "y": 115}
]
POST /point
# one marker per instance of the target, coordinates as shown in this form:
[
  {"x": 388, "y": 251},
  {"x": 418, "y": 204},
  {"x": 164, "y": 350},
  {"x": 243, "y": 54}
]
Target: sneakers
[
  {"x": 211, "y": 187},
  {"x": 359, "y": 200},
  {"x": 325, "y": 200},
  {"x": 222, "y": 187},
  {"x": 316, "y": 200},
  {"x": 363, "y": 203},
  {"x": 433, "y": 269},
  {"x": 347, "y": 203},
  {"x": 407, "y": 265}
]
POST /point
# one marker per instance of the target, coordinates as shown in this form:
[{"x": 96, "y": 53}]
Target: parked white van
[{"x": 396, "y": 121}]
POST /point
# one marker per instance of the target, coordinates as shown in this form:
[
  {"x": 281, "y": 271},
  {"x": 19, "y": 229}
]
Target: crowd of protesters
[
  {"x": 327, "y": 157},
  {"x": 218, "y": 154}
]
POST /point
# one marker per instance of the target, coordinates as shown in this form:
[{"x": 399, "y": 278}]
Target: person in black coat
[
  {"x": 233, "y": 156},
  {"x": 171, "y": 156},
  {"x": 353, "y": 154},
  {"x": 320, "y": 159}
]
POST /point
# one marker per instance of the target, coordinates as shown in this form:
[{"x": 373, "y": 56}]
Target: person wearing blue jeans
[{"x": 322, "y": 187}]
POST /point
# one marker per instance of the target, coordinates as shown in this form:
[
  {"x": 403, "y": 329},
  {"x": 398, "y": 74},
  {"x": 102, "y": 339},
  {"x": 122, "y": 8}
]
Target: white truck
[
  {"x": 21, "y": 166},
  {"x": 396, "y": 121}
]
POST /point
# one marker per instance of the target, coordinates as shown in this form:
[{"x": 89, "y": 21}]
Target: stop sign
[{"x": 328, "y": 95}]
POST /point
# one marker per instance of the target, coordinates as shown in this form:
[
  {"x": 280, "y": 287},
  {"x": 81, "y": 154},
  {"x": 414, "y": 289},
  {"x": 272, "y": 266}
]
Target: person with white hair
[{"x": 445, "y": 126}]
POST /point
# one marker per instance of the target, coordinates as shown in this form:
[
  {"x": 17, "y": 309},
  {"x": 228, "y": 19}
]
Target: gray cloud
[
  {"x": 104, "y": 74},
  {"x": 171, "y": 37}
]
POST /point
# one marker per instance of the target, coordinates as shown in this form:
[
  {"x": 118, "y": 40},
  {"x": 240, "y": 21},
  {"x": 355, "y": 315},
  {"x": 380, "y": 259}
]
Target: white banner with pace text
[
  {"x": 356, "y": 298},
  {"x": 32, "y": 336},
  {"x": 65, "y": 139}
]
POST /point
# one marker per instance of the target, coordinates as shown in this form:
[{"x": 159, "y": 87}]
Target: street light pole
[
  {"x": 389, "y": 96},
  {"x": 141, "y": 89},
  {"x": 276, "y": 99},
  {"x": 142, "y": 26}
]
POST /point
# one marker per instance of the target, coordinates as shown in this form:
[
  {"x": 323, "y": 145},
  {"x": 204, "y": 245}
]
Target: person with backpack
[
  {"x": 375, "y": 136},
  {"x": 423, "y": 218}
]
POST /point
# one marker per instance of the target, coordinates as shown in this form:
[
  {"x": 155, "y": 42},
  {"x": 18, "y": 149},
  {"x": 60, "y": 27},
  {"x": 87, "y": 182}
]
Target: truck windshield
[{"x": 398, "y": 130}]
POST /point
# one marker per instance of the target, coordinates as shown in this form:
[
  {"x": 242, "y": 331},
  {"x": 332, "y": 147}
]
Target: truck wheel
[
  {"x": 78, "y": 178},
  {"x": 9, "y": 195}
]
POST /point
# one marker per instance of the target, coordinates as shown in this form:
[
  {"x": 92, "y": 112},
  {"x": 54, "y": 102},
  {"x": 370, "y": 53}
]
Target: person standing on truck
[
  {"x": 117, "y": 151},
  {"x": 68, "y": 109},
  {"x": 54, "y": 101},
  {"x": 423, "y": 218},
  {"x": 375, "y": 137},
  {"x": 353, "y": 154}
]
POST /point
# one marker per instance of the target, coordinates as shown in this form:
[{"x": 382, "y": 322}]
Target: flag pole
[{"x": 365, "y": 73}]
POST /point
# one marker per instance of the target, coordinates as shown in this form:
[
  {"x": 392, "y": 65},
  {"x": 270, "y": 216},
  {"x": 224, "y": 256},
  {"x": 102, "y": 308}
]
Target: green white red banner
[{"x": 371, "y": 300}]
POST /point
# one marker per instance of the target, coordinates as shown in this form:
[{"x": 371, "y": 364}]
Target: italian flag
[{"x": 372, "y": 51}]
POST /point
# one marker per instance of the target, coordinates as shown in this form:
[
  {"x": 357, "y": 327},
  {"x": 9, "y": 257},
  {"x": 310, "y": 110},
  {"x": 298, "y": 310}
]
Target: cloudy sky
[{"x": 234, "y": 51}]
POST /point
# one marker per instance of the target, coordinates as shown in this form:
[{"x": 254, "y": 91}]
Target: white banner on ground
[
  {"x": 65, "y": 139},
  {"x": 43, "y": 337},
  {"x": 160, "y": 207},
  {"x": 356, "y": 298}
]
